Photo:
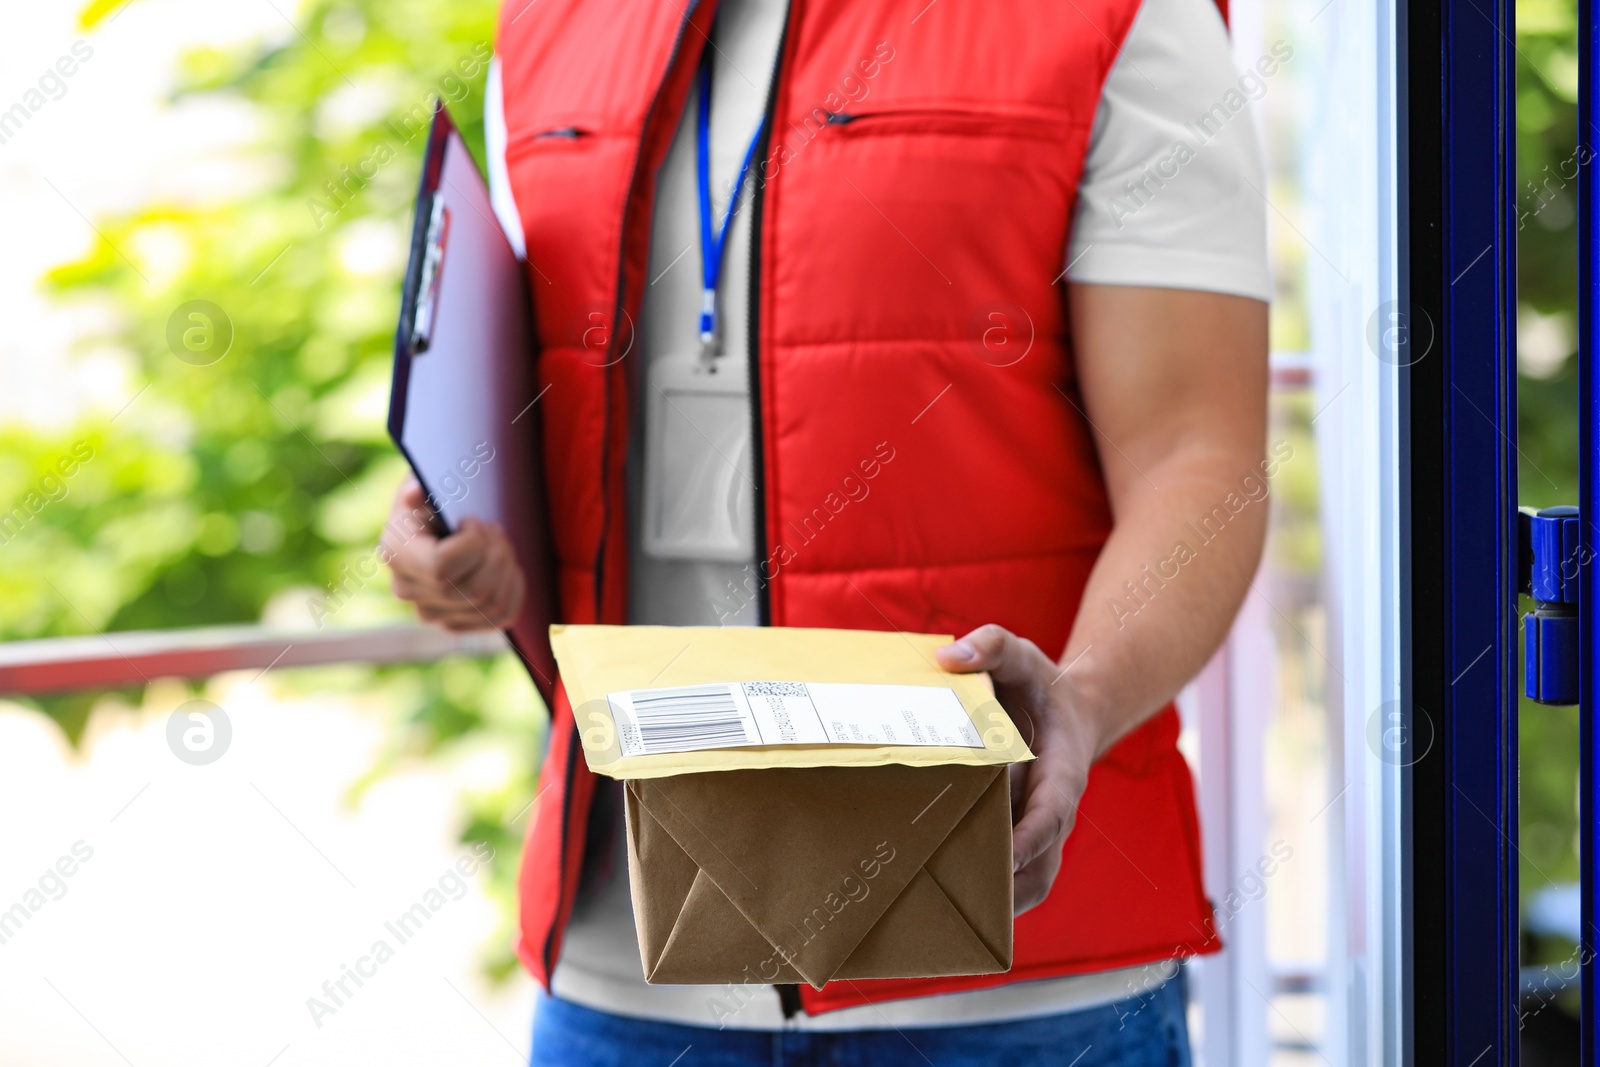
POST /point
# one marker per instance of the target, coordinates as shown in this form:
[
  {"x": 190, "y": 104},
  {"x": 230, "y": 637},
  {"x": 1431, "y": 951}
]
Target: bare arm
[{"x": 1174, "y": 383}]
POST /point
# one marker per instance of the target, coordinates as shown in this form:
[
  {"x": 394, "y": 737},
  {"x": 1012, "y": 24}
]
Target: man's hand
[
  {"x": 1044, "y": 793},
  {"x": 467, "y": 581}
]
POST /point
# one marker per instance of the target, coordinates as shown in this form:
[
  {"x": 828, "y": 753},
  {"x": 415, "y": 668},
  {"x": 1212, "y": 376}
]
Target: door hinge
[{"x": 1547, "y": 571}]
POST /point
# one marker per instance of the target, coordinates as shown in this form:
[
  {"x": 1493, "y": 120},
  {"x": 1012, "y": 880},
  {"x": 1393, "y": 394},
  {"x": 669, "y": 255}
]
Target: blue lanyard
[{"x": 713, "y": 238}]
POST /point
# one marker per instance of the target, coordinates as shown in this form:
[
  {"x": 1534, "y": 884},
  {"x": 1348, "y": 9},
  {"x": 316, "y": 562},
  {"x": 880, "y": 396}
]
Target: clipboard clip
[{"x": 432, "y": 271}]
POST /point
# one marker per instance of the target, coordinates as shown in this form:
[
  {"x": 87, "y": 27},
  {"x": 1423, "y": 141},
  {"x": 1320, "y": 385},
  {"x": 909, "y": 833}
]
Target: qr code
[{"x": 774, "y": 689}]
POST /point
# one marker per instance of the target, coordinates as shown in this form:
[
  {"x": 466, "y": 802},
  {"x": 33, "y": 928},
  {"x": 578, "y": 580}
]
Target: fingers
[
  {"x": 502, "y": 602},
  {"x": 1036, "y": 843},
  {"x": 509, "y": 603},
  {"x": 480, "y": 566},
  {"x": 408, "y": 540},
  {"x": 1017, "y": 780},
  {"x": 469, "y": 580},
  {"x": 1033, "y": 882},
  {"x": 1046, "y": 820},
  {"x": 411, "y": 514},
  {"x": 1055, "y": 782},
  {"x": 463, "y": 553},
  {"x": 410, "y": 494},
  {"x": 412, "y": 555},
  {"x": 460, "y": 618}
]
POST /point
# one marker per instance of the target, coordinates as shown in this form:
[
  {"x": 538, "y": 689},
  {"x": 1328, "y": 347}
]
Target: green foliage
[
  {"x": 1547, "y": 201},
  {"x": 1547, "y": 168},
  {"x": 252, "y": 466}
]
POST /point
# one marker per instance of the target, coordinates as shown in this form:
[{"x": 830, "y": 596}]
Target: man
[{"x": 812, "y": 359}]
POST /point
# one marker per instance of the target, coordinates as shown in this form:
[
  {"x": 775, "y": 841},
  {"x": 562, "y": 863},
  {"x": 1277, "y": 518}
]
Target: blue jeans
[{"x": 1147, "y": 1030}]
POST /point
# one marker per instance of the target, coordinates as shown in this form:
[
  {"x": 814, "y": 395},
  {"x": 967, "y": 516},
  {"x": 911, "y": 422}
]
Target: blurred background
[
  {"x": 232, "y": 468},
  {"x": 199, "y": 303}
]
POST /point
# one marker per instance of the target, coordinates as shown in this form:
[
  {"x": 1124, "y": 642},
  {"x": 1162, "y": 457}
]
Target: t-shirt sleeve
[
  {"x": 1172, "y": 193},
  {"x": 494, "y": 147}
]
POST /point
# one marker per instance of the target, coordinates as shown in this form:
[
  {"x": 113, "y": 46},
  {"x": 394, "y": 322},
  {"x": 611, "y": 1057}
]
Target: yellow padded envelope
[
  {"x": 763, "y": 864},
  {"x": 599, "y": 660}
]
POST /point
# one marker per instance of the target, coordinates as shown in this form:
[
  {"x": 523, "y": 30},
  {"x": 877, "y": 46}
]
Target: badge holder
[{"x": 699, "y": 493}]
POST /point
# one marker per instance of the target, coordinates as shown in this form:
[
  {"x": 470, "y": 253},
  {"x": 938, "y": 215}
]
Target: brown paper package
[{"x": 788, "y": 875}]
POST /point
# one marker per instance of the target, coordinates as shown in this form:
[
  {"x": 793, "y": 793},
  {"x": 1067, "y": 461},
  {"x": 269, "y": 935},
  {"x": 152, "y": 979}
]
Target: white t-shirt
[{"x": 1150, "y": 213}]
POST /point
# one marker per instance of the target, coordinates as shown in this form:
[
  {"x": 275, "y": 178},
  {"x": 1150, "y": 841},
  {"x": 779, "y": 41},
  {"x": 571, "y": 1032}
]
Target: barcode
[
  {"x": 687, "y": 718},
  {"x": 775, "y": 689}
]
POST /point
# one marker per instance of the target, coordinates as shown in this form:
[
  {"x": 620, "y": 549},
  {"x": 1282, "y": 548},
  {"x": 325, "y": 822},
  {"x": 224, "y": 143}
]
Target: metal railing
[{"x": 134, "y": 658}]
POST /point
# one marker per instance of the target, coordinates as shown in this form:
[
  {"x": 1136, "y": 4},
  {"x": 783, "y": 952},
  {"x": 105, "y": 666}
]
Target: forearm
[
  {"x": 1173, "y": 384},
  {"x": 1164, "y": 591}
]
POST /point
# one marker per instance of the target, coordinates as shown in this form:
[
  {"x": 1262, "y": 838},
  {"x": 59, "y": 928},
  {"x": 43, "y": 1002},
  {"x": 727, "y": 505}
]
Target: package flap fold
[{"x": 890, "y": 874}]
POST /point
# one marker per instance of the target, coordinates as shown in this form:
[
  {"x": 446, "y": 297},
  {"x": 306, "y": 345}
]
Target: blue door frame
[
  {"x": 1459, "y": 527},
  {"x": 1588, "y": 502}
]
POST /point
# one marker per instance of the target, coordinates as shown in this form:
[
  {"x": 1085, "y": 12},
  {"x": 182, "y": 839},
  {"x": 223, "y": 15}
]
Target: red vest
[{"x": 923, "y": 463}]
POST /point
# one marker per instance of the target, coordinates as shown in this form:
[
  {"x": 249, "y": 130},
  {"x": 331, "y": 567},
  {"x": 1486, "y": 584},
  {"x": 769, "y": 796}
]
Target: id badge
[{"x": 698, "y": 492}]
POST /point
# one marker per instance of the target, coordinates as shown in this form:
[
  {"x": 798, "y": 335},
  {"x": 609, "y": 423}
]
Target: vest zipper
[
  {"x": 789, "y": 1000},
  {"x": 788, "y": 995},
  {"x": 616, "y": 319},
  {"x": 570, "y": 132},
  {"x": 955, "y": 121},
  {"x": 758, "y": 465}
]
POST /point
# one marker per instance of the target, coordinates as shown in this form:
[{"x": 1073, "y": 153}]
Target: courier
[
  {"x": 843, "y": 323},
  {"x": 802, "y": 805}
]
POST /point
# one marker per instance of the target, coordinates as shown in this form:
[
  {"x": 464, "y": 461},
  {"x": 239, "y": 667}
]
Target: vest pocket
[
  {"x": 949, "y": 121},
  {"x": 551, "y": 137}
]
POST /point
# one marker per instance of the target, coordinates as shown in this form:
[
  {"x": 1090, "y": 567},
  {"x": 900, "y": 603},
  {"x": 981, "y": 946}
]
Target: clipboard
[{"x": 463, "y": 405}]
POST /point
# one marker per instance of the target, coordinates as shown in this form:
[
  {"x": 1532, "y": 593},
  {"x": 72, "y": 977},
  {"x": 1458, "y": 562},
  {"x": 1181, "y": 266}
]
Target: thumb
[
  {"x": 1008, "y": 658},
  {"x": 411, "y": 498},
  {"x": 411, "y": 494},
  {"x": 409, "y": 520},
  {"x": 959, "y": 657}
]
